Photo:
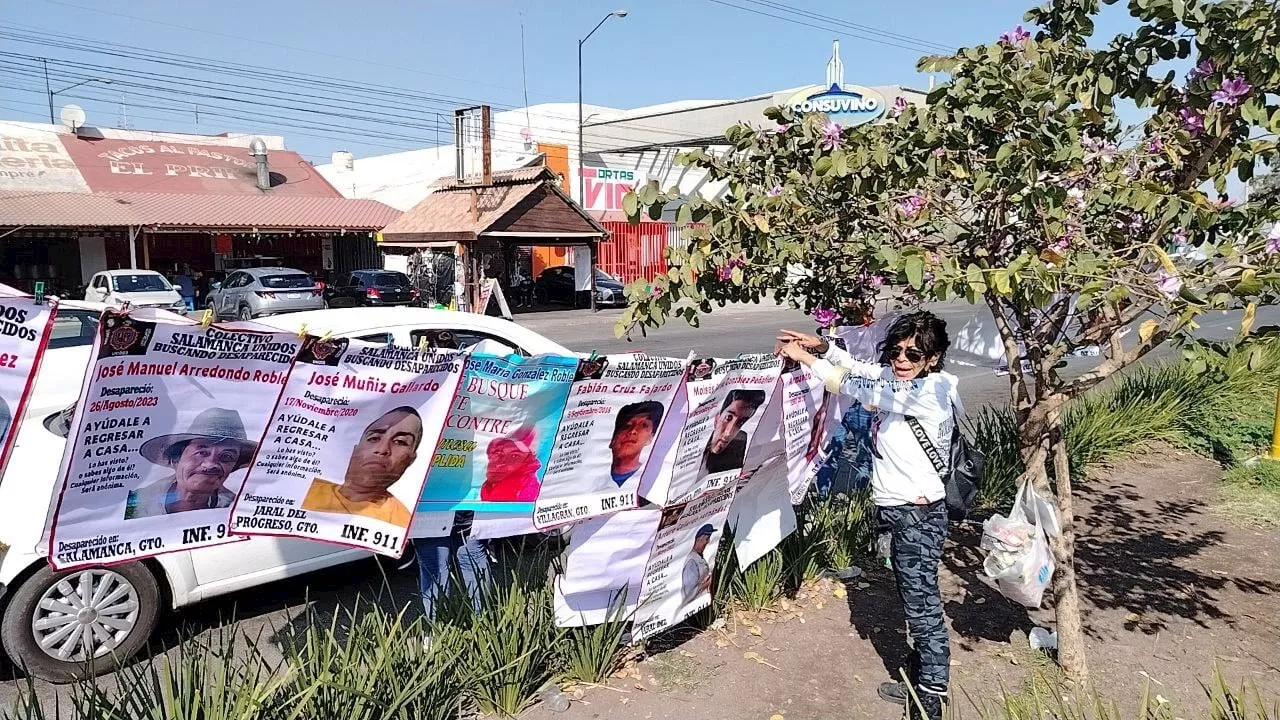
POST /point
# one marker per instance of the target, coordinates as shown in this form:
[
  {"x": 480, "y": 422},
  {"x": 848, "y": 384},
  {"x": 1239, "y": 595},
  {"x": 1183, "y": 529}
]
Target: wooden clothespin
[
  {"x": 302, "y": 332},
  {"x": 206, "y": 319},
  {"x": 423, "y": 346},
  {"x": 326, "y": 336}
]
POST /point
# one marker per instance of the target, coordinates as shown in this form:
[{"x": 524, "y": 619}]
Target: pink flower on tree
[
  {"x": 724, "y": 272},
  {"x": 825, "y": 317},
  {"x": 1168, "y": 283},
  {"x": 1273, "y": 240},
  {"x": 899, "y": 105},
  {"x": 774, "y": 191},
  {"x": 832, "y": 136},
  {"x": 1156, "y": 145},
  {"x": 1203, "y": 69},
  {"x": 913, "y": 204},
  {"x": 1016, "y": 36},
  {"x": 875, "y": 281},
  {"x": 1232, "y": 90},
  {"x": 938, "y": 152},
  {"x": 1192, "y": 120}
]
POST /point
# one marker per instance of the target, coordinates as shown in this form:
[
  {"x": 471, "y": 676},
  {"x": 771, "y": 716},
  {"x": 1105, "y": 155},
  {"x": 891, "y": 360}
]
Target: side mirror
[{"x": 215, "y": 286}]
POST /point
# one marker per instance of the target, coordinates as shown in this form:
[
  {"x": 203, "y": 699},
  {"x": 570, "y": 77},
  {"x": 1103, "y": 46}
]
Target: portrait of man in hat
[
  {"x": 696, "y": 577},
  {"x": 201, "y": 459},
  {"x": 382, "y": 453}
]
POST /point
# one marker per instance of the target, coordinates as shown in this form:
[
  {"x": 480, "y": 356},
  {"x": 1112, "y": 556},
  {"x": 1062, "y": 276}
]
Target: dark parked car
[
  {"x": 556, "y": 285},
  {"x": 371, "y": 288}
]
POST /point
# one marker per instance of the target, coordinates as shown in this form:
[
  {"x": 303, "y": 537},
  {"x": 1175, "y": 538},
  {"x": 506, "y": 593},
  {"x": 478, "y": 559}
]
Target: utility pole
[{"x": 48, "y": 91}]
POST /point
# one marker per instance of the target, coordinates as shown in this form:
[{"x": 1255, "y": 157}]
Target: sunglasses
[{"x": 913, "y": 354}]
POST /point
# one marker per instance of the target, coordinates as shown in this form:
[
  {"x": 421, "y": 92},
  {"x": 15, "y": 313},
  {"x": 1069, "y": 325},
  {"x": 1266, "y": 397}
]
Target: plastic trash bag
[{"x": 1018, "y": 556}]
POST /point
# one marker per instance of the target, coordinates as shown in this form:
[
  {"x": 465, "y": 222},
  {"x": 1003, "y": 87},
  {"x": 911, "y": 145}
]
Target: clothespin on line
[
  {"x": 206, "y": 319},
  {"x": 326, "y": 336},
  {"x": 423, "y": 346},
  {"x": 302, "y": 332},
  {"x": 594, "y": 355}
]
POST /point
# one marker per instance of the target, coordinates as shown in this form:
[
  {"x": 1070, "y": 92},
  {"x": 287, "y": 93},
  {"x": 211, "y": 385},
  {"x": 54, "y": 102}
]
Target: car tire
[
  {"x": 129, "y": 594},
  {"x": 245, "y": 313}
]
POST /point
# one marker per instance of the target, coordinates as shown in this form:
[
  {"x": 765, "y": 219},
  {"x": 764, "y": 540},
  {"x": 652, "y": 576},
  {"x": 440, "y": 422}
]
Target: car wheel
[
  {"x": 245, "y": 313},
  {"x": 72, "y": 625}
]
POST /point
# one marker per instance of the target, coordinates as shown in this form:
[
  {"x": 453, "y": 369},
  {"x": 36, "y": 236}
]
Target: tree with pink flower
[{"x": 1019, "y": 187}]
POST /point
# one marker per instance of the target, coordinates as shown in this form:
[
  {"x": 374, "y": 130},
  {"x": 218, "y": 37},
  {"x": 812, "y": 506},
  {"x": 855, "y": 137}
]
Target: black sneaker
[{"x": 894, "y": 692}]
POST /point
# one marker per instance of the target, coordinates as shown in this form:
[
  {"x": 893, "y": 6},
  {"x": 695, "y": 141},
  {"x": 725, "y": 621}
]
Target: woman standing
[{"x": 917, "y": 403}]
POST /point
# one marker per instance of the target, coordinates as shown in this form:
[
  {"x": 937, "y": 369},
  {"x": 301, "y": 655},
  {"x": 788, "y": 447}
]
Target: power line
[
  {"x": 899, "y": 37},
  {"x": 224, "y": 67},
  {"x": 914, "y": 47}
]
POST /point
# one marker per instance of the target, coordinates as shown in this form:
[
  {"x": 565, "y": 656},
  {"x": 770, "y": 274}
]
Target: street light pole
[{"x": 582, "y": 198}]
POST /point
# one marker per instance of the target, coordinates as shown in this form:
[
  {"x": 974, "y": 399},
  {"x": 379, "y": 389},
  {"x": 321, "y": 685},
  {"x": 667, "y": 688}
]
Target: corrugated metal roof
[
  {"x": 504, "y": 177},
  {"x": 212, "y": 211}
]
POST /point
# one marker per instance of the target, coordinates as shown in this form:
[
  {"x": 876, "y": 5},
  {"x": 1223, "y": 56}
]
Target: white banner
[
  {"x": 677, "y": 579},
  {"x": 619, "y": 403},
  {"x": 725, "y": 400},
  {"x": 604, "y": 567},
  {"x": 24, "y": 333},
  {"x": 804, "y": 414},
  {"x": 165, "y": 429},
  {"x": 761, "y": 514},
  {"x": 349, "y": 445}
]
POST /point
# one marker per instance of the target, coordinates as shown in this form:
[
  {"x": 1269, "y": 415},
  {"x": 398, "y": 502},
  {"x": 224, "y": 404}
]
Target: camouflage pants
[{"x": 918, "y": 532}]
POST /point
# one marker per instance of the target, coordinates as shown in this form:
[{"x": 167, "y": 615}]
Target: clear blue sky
[{"x": 664, "y": 50}]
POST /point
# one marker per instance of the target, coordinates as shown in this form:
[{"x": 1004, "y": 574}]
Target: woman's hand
[
  {"x": 812, "y": 343},
  {"x": 793, "y": 351}
]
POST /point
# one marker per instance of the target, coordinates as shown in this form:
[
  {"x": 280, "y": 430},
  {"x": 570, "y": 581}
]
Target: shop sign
[
  {"x": 603, "y": 188},
  {"x": 850, "y": 105},
  {"x": 35, "y": 161}
]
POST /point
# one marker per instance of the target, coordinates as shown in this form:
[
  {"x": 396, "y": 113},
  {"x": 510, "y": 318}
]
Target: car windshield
[
  {"x": 286, "y": 282},
  {"x": 602, "y": 275},
  {"x": 389, "y": 279},
  {"x": 139, "y": 283}
]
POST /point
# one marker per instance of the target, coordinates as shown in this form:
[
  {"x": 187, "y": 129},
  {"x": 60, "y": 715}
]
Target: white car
[
  {"x": 50, "y": 618},
  {"x": 139, "y": 288}
]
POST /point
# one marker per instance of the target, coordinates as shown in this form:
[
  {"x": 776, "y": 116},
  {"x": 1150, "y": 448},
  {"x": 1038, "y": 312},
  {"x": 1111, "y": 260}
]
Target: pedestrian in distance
[{"x": 916, "y": 403}]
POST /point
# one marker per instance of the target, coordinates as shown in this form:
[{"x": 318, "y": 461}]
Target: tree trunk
[
  {"x": 1071, "y": 650},
  {"x": 1041, "y": 440}
]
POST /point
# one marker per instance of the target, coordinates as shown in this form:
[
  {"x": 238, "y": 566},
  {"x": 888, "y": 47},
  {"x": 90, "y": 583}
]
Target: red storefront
[{"x": 166, "y": 205}]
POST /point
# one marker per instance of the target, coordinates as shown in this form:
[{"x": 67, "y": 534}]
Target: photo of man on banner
[
  {"x": 202, "y": 459},
  {"x": 382, "y": 453}
]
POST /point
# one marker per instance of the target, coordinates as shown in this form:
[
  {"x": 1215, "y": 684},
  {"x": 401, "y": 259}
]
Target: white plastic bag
[
  {"x": 1033, "y": 577},
  {"x": 1023, "y": 572},
  {"x": 1017, "y": 547}
]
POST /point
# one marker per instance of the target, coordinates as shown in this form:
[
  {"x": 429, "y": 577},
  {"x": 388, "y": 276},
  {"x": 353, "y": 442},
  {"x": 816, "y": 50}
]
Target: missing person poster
[
  {"x": 804, "y": 414},
  {"x": 498, "y": 434},
  {"x": 619, "y": 403},
  {"x": 603, "y": 567},
  {"x": 168, "y": 423},
  {"x": 677, "y": 579},
  {"x": 347, "y": 450},
  {"x": 24, "y": 332},
  {"x": 761, "y": 514},
  {"x": 725, "y": 400}
]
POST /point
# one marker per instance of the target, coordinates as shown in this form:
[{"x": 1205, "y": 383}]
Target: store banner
[
  {"x": 25, "y": 325},
  {"x": 761, "y": 514},
  {"x": 498, "y": 434},
  {"x": 349, "y": 444},
  {"x": 167, "y": 424},
  {"x": 677, "y": 579},
  {"x": 725, "y": 400},
  {"x": 804, "y": 421},
  {"x": 618, "y": 403},
  {"x": 603, "y": 567}
]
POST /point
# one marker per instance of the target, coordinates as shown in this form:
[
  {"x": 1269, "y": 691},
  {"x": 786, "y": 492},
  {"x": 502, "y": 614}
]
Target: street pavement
[{"x": 266, "y": 610}]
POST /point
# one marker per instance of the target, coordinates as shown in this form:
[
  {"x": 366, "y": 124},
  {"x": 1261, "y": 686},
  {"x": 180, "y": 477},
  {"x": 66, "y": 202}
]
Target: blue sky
[{"x": 663, "y": 50}]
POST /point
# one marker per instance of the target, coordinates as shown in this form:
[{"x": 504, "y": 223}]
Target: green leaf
[
  {"x": 1000, "y": 281},
  {"x": 914, "y": 267},
  {"x": 890, "y": 256},
  {"x": 649, "y": 193},
  {"x": 631, "y": 205},
  {"x": 655, "y": 211},
  {"x": 1106, "y": 85},
  {"x": 684, "y": 215},
  {"x": 1004, "y": 152},
  {"x": 822, "y": 166},
  {"x": 737, "y": 276}
]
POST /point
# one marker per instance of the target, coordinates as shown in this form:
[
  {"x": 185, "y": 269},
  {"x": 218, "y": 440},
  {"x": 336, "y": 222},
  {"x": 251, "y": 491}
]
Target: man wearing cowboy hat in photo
[{"x": 202, "y": 458}]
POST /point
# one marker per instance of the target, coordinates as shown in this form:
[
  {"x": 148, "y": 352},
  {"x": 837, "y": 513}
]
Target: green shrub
[
  {"x": 511, "y": 649},
  {"x": 591, "y": 654}
]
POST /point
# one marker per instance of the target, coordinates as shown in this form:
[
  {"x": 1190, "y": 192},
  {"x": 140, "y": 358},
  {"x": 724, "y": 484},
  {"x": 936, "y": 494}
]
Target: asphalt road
[{"x": 265, "y": 611}]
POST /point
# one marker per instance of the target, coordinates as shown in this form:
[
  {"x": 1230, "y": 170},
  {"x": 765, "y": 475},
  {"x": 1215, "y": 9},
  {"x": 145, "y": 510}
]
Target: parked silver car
[{"x": 251, "y": 293}]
